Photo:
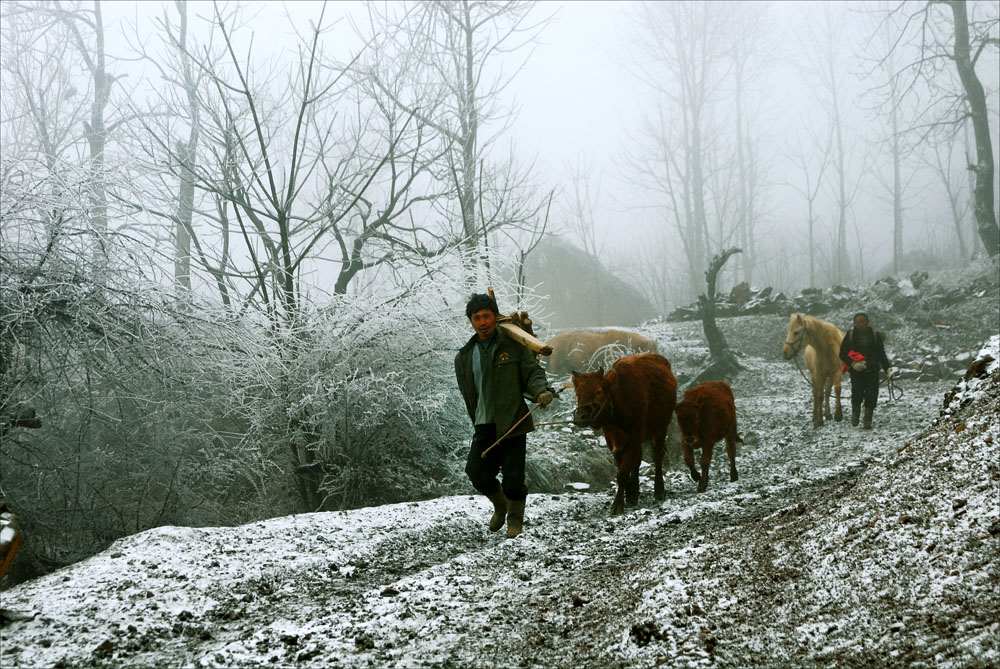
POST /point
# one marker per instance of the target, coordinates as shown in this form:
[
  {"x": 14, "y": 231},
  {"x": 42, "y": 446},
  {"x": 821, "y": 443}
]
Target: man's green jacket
[{"x": 516, "y": 373}]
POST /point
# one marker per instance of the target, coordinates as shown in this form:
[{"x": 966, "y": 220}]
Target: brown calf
[{"x": 707, "y": 414}]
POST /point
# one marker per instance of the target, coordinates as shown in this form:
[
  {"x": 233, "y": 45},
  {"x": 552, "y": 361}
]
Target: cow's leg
[
  {"x": 838, "y": 414},
  {"x": 628, "y": 474},
  {"x": 706, "y": 460},
  {"x": 632, "y": 492},
  {"x": 618, "y": 506},
  {"x": 731, "y": 452},
  {"x": 635, "y": 479},
  {"x": 689, "y": 461},
  {"x": 658, "y": 492}
]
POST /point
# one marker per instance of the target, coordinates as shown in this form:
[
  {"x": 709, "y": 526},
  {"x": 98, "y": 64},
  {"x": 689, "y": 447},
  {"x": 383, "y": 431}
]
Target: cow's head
[
  {"x": 593, "y": 398},
  {"x": 688, "y": 420}
]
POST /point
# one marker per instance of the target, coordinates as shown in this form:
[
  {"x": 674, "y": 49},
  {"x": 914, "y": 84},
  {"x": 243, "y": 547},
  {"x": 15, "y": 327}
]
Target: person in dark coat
[
  {"x": 863, "y": 351},
  {"x": 494, "y": 374}
]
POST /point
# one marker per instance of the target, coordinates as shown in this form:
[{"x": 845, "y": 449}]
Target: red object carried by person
[{"x": 853, "y": 355}]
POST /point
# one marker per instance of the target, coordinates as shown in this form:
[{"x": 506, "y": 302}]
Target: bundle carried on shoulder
[{"x": 518, "y": 326}]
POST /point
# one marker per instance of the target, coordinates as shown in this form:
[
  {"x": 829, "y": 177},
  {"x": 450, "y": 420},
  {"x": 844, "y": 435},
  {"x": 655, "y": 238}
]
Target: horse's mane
[{"x": 828, "y": 335}]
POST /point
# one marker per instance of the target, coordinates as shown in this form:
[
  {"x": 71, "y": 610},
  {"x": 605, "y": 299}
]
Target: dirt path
[{"x": 568, "y": 592}]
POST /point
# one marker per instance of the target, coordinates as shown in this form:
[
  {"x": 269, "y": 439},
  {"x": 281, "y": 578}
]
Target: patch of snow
[{"x": 906, "y": 288}]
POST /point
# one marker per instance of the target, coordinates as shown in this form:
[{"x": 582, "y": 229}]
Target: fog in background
[
  {"x": 597, "y": 99},
  {"x": 591, "y": 116}
]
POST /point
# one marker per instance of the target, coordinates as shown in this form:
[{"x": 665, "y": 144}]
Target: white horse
[{"x": 821, "y": 342}]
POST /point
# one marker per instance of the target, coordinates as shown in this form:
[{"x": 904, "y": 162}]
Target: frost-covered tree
[
  {"x": 954, "y": 38},
  {"x": 447, "y": 64}
]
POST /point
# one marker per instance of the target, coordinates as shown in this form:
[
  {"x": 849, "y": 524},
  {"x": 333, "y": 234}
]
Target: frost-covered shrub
[
  {"x": 132, "y": 389},
  {"x": 362, "y": 395}
]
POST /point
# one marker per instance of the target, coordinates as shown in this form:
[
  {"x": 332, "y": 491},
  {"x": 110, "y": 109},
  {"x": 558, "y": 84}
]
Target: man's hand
[
  {"x": 890, "y": 373},
  {"x": 545, "y": 397},
  {"x": 859, "y": 366}
]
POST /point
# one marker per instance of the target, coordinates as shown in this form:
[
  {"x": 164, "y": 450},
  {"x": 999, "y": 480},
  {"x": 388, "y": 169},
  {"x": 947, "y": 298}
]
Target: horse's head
[
  {"x": 797, "y": 337},
  {"x": 593, "y": 397}
]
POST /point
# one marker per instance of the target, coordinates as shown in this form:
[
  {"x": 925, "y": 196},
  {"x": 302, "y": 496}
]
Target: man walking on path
[{"x": 494, "y": 373}]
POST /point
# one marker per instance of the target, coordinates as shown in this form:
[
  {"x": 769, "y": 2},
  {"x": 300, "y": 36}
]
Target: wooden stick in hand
[{"x": 564, "y": 386}]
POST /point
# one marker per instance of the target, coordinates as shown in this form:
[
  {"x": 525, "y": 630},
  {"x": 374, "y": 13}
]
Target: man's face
[
  {"x": 485, "y": 323},
  {"x": 860, "y": 323}
]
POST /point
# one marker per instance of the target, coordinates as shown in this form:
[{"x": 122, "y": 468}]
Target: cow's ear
[{"x": 600, "y": 373}]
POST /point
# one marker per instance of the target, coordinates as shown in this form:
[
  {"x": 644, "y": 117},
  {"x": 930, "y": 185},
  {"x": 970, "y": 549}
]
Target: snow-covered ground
[{"x": 836, "y": 546}]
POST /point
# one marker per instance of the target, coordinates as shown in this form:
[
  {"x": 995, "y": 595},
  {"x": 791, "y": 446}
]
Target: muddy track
[
  {"x": 576, "y": 605},
  {"x": 565, "y": 592}
]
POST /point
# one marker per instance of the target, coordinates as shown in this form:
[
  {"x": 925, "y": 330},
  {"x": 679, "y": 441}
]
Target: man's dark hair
[
  {"x": 480, "y": 301},
  {"x": 861, "y": 313}
]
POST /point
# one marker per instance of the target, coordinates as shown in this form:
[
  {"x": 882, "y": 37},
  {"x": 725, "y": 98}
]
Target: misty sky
[
  {"x": 580, "y": 96},
  {"x": 579, "y": 100}
]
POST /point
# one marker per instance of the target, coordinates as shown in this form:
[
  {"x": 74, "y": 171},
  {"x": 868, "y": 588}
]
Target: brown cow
[
  {"x": 632, "y": 403},
  {"x": 573, "y": 351},
  {"x": 706, "y": 414}
]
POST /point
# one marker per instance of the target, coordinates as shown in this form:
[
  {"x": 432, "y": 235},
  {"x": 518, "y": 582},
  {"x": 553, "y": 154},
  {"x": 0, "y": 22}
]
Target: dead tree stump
[{"x": 723, "y": 364}]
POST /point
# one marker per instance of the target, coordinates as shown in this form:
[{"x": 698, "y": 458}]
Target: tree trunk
[
  {"x": 184, "y": 216},
  {"x": 986, "y": 218},
  {"x": 97, "y": 134},
  {"x": 840, "y": 163},
  {"x": 840, "y": 264},
  {"x": 698, "y": 187},
  {"x": 970, "y": 183},
  {"x": 956, "y": 217},
  {"x": 897, "y": 195},
  {"x": 469, "y": 120},
  {"x": 723, "y": 363},
  {"x": 742, "y": 214},
  {"x": 94, "y": 131},
  {"x": 812, "y": 246},
  {"x": 187, "y": 152}
]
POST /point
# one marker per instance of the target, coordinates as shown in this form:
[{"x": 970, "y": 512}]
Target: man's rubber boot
[
  {"x": 515, "y": 518},
  {"x": 868, "y": 418},
  {"x": 499, "y": 509},
  {"x": 855, "y": 414}
]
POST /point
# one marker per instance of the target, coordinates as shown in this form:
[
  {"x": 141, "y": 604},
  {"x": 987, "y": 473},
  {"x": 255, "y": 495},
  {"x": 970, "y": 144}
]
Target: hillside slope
[{"x": 836, "y": 546}]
